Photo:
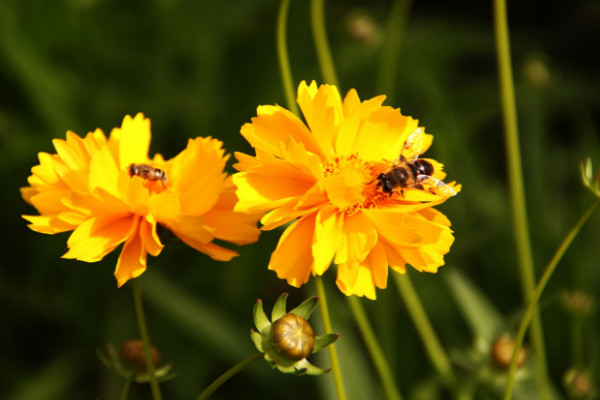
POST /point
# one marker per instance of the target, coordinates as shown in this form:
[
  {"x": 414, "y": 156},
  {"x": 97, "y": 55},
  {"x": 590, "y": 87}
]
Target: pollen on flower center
[{"x": 348, "y": 182}]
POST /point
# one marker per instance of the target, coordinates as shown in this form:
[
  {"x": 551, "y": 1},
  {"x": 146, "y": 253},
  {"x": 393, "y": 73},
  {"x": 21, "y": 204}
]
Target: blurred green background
[{"x": 200, "y": 68}]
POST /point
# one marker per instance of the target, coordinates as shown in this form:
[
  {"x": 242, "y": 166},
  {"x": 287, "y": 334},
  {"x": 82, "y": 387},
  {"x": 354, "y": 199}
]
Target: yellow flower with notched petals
[
  {"x": 324, "y": 177},
  {"x": 90, "y": 188}
]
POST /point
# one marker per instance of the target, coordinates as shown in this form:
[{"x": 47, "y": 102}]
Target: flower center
[{"x": 351, "y": 183}]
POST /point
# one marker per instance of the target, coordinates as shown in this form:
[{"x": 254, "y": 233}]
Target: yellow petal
[
  {"x": 266, "y": 187},
  {"x": 274, "y": 125},
  {"x": 350, "y": 138},
  {"x": 292, "y": 259},
  {"x": 358, "y": 238},
  {"x": 104, "y": 172},
  {"x": 132, "y": 261},
  {"x": 392, "y": 226},
  {"x": 226, "y": 224},
  {"x": 149, "y": 237},
  {"x": 356, "y": 280},
  {"x": 130, "y": 143},
  {"x": 322, "y": 110},
  {"x": 328, "y": 227},
  {"x": 96, "y": 237},
  {"x": 48, "y": 224},
  {"x": 212, "y": 250},
  {"x": 351, "y": 102},
  {"x": 197, "y": 175},
  {"x": 391, "y": 129}
]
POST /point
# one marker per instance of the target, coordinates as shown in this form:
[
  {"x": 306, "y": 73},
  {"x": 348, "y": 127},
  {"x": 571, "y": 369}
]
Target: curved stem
[
  {"x": 335, "y": 364},
  {"x": 317, "y": 17},
  {"x": 527, "y": 317},
  {"x": 227, "y": 375},
  {"x": 517, "y": 191},
  {"x": 283, "y": 56},
  {"x": 434, "y": 349},
  {"x": 141, "y": 320},
  {"x": 379, "y": 360}
]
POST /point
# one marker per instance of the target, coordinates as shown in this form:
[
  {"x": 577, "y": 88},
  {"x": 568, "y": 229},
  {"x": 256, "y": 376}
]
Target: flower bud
[
  {"x": 502, "y": 351},
  {"x": 293, "y": 337},
  {"x": 132, "y": 356},
  {"x": 579, "y": 384},
  {"x": 577, "y": 303}
]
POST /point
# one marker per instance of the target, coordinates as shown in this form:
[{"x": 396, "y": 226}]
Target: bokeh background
[{"x": 200, "y": 68}]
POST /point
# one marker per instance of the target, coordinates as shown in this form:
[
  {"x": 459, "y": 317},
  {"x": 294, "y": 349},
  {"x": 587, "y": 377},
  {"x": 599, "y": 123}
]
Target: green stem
[
  {"x": 227, "y": 375},
  {"x": 317, "y": 17},
  {"x": 388, "y": 64},
  {"x": 379, "y": 360},
  {"x": 335, "y": 364},
  {"x": 517, "y": 191},
  {"x": 139, "y": 313},
  {"x": 529, "y": 313},
  {"x": 126, "y": 386},
  {"x": 284, "y": 60},
  {"x": 434, "y": 349}
]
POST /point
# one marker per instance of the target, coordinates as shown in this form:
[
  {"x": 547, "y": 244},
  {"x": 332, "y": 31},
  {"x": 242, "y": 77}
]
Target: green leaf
[{"x": 483, "y": 318}]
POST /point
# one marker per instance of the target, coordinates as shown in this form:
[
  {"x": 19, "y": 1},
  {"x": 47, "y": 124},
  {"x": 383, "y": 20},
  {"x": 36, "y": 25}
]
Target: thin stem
[
  {"x": 317, "y": 17},
  {"x": 141, "y": 320},
  {"x": 227, "y": 375},
  {"x": 527, "y": 317},
  {"x": 379, "y": 360},
  {"x": 126, "y": 386},
  {"x": 284, "y": 60},
  {"x": 434, "y": 349},
  {"x": 388, "y": 64},
  {"x": 517, "y": 191},
  {"x": 335, "y": 364}
]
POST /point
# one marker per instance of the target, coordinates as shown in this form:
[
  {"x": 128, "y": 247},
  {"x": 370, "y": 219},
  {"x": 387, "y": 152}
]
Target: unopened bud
[
  {"x": 577, "y": 302},
  {"x": 293, "y": 337},
  {"x": 579, "y": 384},
  {"x": 132, "y": 355},
  {"x": 502, "y": 351}
]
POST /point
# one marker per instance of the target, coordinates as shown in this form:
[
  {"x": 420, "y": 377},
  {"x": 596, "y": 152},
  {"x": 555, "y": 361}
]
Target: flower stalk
[
  {"x": 381, "y": 364},
  {"x": 284, "y": 59},
  {"x": 434, "y": 349},
  {"x": 532, "y": 307},
  {"x": 333, "y": 355},
  {"x": 317, "y": 17},
  {"x": 227, "y": 375},
  {"x": 141, "y": 320},
  {"x": 126, "y": 386},
  {"x": 517, "y": 190}
]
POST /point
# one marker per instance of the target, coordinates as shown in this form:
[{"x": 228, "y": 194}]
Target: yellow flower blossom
[
  {"x": 325, "y": 177},
  {"x": 109, "y": 192}
]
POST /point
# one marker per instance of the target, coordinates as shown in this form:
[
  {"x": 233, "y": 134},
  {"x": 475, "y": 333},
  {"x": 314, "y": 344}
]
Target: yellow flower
[
  {"x": 334, "y": 178},
  {"x": 109, "y": 192}
]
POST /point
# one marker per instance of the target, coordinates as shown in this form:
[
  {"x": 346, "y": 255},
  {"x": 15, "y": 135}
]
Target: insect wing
[
  {"x": 435, "y": 186},
  {"x": 412, "y": 146}
]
